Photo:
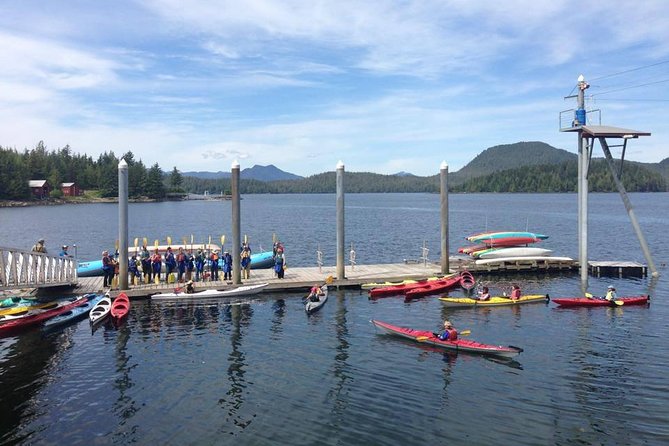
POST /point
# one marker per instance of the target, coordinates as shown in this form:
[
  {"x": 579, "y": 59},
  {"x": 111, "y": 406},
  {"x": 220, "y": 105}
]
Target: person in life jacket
[
  {"x": 181, "y": 264},
  {"x": 449, "y": 333},
  {"x": 190, "y": 289},
  {"x": 227, "y": 266},
  {"x": 484, "y": 294},
  {"x": 39, "y": 246},
  {"x": 145, "y": 258},
  {"x": 170, "y": 262},
  {"x": 315, "y": 293},
  {"x": 515, "y": 292},
  {"x": 156, "y": 263},
  {"x": 200, "y": 260},
  {"x": 610, "y": 293},
  {"x": 213, "y": 265}
]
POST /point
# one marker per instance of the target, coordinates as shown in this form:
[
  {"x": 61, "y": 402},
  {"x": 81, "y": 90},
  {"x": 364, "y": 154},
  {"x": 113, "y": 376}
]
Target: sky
[{"x": 383, "y": 86}]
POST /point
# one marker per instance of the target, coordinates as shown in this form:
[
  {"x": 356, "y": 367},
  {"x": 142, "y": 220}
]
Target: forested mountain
[{"x": 511, "y": 156}]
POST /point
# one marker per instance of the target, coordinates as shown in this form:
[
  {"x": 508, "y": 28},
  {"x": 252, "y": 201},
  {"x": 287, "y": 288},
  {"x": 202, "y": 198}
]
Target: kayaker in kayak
[
  {"x": 315, "y": 293},
  {"x": 515, "y": 292},
  {"x": 449, "y": 333},
  {"x": 190, "y": 289},
  {"x": 610, "y": 293},
  {"x": 484, "y": 294}
]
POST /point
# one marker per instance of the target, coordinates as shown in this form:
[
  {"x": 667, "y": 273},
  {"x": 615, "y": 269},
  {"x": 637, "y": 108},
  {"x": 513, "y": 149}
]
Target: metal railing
[{"x": 25, "y": 269}]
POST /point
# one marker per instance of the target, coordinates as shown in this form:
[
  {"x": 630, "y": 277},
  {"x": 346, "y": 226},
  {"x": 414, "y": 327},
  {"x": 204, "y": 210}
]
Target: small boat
[
  {"x": 434, "y": 287},
  {"x": 370, "y": 285},
  {"x": 313, "y": 306},
  {"x": 493, "y": 301},
  {"x": 101, "y": 310},
  {"x": 459, "y": 345},
  {"x": 245, "y": 290},
  {"x": 120, "y": 307},
  {"x": 75, "y": 313},
  {"x": 393, "y": 290},
  {"x": 23, "y": 306},
  {"x": 53, "y": 305},
  {"x": 467, "y": 281},
  {"x": 39, "y": 317},
  {"x": 598, "y": 302}
]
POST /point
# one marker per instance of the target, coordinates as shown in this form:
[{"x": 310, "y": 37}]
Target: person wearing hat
[
  {"x": 200, "y": 260},
  {"x": 213, "y": 264},
  {"x": 190, "y": 289},
  {"x": 64, "y": 252},
  {"x": 449, "y": 333},
  {"x": 39, "y": 246},
  {"x": 610, "y": 293}
]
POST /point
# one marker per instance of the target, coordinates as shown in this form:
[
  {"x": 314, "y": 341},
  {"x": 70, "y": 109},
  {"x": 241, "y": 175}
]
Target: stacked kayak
[
  {"x": 404, "y": 288},
  {"x": 493, "y": 301},
  {"x": 595, "y": 302},
  {"x": 505, "y": 244},
  {"x": 34, "y": 318},
  {"x": 433, "y": 287},
  {"x": 459, "y": 345}
]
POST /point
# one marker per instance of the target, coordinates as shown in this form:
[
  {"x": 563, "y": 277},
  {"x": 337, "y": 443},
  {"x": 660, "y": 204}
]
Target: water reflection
[
  {"x": 340, "y": 367},
  {"x": 125, "y": 406}
]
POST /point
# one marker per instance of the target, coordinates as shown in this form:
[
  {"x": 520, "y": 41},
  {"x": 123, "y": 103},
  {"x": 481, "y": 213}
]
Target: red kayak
[
  {"x": 33, "y": 319},
  {"x": 434, "y": 287},
  {"x": 508, "y": 241},
  {"x": 472, "y": 248},
  {"x": 460, "y": 345},
  {"x": 467, "y": 281},
  {"x": 595, "y": 302},
  {"x": 404, "y": 288},
  {"x": 120, "y": 307}
]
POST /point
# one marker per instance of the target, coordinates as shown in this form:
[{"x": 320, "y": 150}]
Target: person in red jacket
[{"x": 449, "y": 333}]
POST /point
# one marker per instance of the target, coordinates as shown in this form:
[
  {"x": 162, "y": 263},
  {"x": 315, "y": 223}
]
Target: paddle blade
[
  {"x": 169, "y": 240},
  {"x": 246, "y": 239},
  {"x": 191, "y": 239},
  {"x": 465, "y": 333},
  {"x": 588, "y": 295},
  {"x": 273, "y": 237},
  {"x": 146, "y": 241},
  {"x": 618, "y": 302},
  {"x": 222, "y": 240},
  {"x": 184, "y": 241},
  {"x": 329, "y": 280},
  {"x": 156, "y": 243},
  {"x": 422, "y": 338},
  {"x": 136, "y": 242}
]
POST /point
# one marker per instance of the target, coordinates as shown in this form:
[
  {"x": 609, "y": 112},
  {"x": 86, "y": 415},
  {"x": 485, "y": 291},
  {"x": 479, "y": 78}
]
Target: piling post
[
  {"x": 583, "y": 167},
  {"x": 236, "y": 226},
  {"x": 340, "y": 221},
  {"x": 443, "y": 176},
  {"x": 123, "y": 224}
]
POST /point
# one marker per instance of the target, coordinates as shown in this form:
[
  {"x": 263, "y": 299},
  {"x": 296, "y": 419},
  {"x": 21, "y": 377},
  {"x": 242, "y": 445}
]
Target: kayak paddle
[{"x": 460, "y": 333}]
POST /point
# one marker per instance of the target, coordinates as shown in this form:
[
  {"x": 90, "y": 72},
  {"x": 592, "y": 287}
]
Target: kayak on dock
[
  {"x": 459, "y": 345},
  {"x": 493, "y": 301},
  {"x": 599, "y": 302}
]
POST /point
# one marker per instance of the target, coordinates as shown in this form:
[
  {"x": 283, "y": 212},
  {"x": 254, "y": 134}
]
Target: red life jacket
[{"x": 452, "y": 334}]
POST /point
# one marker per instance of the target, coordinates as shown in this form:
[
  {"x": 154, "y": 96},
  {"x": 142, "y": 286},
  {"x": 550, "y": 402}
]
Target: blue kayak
[
  {"x": 261, "y": 260},
  {"x": 75, "y": 313}
]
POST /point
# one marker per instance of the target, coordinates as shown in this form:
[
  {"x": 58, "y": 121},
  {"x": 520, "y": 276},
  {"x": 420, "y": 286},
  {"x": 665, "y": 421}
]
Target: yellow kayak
[
  {"x": 25, "y": 308},
  {"x": 493, "y": 301}
]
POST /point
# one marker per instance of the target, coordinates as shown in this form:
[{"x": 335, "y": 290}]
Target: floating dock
[{"x": 617, "y": 268}]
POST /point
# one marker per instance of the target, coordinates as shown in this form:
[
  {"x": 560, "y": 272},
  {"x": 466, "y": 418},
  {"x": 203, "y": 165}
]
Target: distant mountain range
[
  {"x": 260, "y": 173},
  {"x": 524, "y": 166}
]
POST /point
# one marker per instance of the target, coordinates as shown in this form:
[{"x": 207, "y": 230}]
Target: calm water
[{"x": 263, "y": 372}]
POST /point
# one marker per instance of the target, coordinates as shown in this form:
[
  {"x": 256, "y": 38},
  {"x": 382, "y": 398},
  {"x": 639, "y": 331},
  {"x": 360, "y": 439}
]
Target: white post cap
[
  {"x": 340, "y": 164},
  {"x": 235, "y": 164},
  {"x": 122, "y": 164},
  {"x": 443, "y": 165}
]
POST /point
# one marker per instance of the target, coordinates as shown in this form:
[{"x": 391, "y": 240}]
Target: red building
[
  {"x": 39, "y": 188},
  {"x": 70, "y": 189}
]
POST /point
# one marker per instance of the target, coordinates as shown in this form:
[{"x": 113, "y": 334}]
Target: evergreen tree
[{"x": 154, "y": 183}]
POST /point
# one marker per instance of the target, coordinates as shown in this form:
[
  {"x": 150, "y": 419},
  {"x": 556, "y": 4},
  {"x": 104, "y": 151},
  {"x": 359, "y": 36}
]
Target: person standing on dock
[
  {"x": 39, "y": 246},
  {"x": 246, "y": 261},
  {"x": 145, "y": 258},
  {"x": 213, "y": 265},
  {"x": 279, "y": 263},
  {"x": 170, "y": 264},
  {"x": 156, "y": 265},
  {"x": 63, "y": 252},
  {"x": 199, "y": 265},
  {"x": 190, "y": 266},
  {"x": 181, "y": 265},
  {"x": 227, "y": 266},
  {"x": 107, "y": 269}
]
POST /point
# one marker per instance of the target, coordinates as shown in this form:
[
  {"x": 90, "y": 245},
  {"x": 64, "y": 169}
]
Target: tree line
[{"x": 62, "y": 165}]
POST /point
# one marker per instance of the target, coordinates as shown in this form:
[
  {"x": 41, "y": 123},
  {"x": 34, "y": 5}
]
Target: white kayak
[
  {"x": 245, "y": 290},
  {"x": 517, "y": 251},
  {"x": 101, "y": 310},
  {"x": 523, "y": 259}
]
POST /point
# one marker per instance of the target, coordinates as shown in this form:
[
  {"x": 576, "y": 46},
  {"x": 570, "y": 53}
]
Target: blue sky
[{"x": 384, "y": 86}]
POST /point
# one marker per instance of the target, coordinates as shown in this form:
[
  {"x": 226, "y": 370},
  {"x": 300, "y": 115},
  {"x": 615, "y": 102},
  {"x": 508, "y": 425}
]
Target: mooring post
[
  {"x": 340, "y": 221},
  {"x": 236, "y": 226},
  {"x": 443, "y": 176},
  {"x": 123, "y": 224},
  {"x": 583, "y": 166}
]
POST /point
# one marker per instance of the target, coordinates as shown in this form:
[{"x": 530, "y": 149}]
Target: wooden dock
[
  {"x": 303, "y": 278},
  {"x": 617, "y": 268}
]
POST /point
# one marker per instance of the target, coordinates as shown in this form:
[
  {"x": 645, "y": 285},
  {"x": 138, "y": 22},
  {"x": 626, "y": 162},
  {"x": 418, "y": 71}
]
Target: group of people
[
  {"x": 484, "y": 293},
  {"x": 40, "y": 246}
]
